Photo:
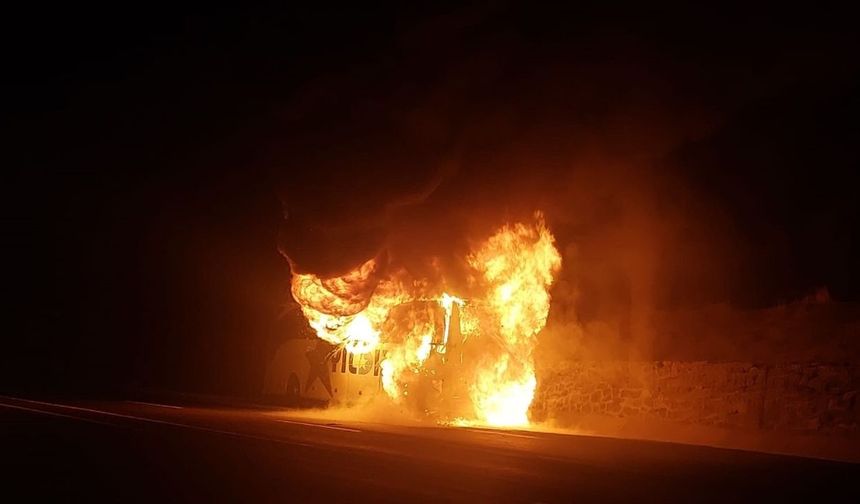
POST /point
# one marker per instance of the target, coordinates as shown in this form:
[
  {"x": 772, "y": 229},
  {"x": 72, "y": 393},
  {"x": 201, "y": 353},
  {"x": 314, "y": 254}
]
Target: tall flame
[{"x": 517, "y": 266}]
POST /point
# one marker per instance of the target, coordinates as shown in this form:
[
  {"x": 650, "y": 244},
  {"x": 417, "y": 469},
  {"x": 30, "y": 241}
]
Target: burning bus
[
  {"x": 313, "y": 371},
  {"x": 378, "y": 328}
]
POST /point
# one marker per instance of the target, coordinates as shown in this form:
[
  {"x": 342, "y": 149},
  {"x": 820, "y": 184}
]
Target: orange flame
[
  {"x": 517, "y": 266},
  {"x": 513, "y": 270},
  {"x": 348, "y": 310}
]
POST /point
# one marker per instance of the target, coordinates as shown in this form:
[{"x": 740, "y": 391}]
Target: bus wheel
[{"x": 293, "y": 390}]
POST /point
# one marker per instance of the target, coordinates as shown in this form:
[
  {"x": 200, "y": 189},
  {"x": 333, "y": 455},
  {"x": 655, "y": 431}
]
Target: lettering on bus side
[{"x": 347, "y": 362}]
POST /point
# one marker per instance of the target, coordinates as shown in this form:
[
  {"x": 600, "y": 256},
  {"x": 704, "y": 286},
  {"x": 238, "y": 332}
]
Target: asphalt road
[{"x": 122, "y": 451}]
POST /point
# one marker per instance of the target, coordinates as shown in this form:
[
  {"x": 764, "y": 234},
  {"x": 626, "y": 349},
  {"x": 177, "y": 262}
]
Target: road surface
[{"x": 126, "y": 451}]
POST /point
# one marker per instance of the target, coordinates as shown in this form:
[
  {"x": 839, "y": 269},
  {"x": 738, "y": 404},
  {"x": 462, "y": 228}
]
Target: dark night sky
[{"x": 148, "y": 150}]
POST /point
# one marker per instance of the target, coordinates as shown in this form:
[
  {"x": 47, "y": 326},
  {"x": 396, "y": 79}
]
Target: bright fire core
[{"x": 476, "y": 364}]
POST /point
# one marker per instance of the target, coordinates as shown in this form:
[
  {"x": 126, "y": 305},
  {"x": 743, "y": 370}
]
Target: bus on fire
[{"x": 311, "y": 371}]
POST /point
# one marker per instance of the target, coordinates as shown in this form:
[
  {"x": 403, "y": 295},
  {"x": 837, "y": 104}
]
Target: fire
[
  {"x": 502, "y": 395},
  {"x": 404, "y": 362},
  {"x": 517, "y": 265},
  {"x": 512, "y": 272},
  {"x": 347, "y": 310},
  {"x": 361, "y": 337}
]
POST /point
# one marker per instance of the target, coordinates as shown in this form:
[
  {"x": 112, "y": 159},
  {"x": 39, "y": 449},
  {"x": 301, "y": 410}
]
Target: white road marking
[
  {"x": 156, "y": 404},
  {"x": 503, "y": 433},
  {"x": 152, "y": 420},
  {"x": 52, "y": 413},
  {"x": 322, "y": 426}
]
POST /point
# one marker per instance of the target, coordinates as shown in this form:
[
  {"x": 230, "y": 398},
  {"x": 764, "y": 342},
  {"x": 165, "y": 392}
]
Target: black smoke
[{"x": 684, "y": 157}]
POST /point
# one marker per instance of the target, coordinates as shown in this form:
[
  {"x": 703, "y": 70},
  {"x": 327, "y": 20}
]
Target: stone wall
[{"x": 800, "y": 398}]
